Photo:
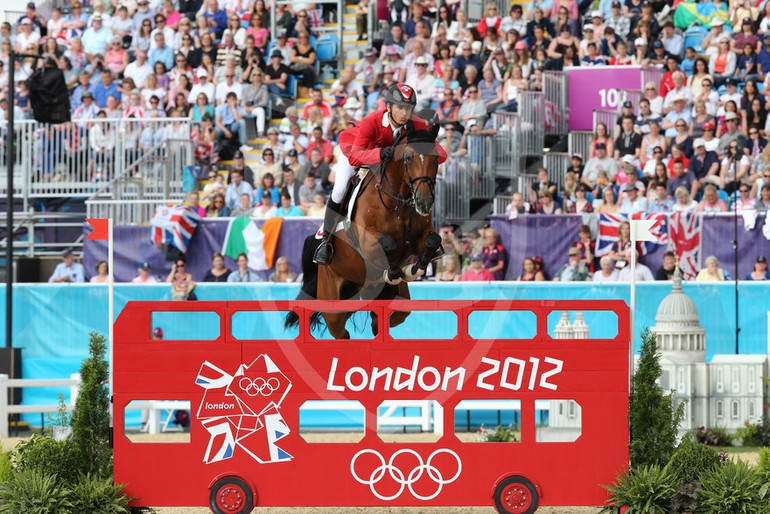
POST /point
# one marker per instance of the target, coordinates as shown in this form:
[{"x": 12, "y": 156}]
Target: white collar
[{"x": 387, "y": 123}]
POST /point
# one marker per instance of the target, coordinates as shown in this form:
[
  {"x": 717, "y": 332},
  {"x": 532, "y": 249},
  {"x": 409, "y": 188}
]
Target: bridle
[{"x": 384, "y": 186}]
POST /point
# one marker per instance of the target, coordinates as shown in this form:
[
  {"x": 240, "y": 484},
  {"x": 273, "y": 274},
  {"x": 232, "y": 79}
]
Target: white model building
[{"x": 722, "y": 393}]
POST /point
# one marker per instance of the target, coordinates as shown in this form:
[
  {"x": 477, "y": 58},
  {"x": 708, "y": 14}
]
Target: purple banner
[
  {"x": 588, "y": 90},
  {"x": 133, "y": 246},
  {"x": 718, "y": 234}
]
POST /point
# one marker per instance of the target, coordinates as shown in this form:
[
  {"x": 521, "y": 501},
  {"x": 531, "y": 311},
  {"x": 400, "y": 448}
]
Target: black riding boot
[{"x": 324, "y": 252}]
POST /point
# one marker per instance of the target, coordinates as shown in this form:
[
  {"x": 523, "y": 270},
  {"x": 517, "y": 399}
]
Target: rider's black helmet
[{"x": 401, "y": 94}]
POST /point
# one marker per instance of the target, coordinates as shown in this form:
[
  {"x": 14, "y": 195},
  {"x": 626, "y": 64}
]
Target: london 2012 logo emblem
[{"x": 242, "y": 410}]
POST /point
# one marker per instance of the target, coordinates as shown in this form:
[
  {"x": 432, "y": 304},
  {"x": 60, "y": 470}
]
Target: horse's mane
[{"x": 420, "y": 136}]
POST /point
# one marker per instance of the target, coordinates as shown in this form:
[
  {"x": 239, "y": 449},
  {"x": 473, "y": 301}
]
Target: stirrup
[{"x": 324, "y": 253}]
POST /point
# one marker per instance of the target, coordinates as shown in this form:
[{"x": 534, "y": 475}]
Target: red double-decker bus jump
[{"x": 245, "y": 397}]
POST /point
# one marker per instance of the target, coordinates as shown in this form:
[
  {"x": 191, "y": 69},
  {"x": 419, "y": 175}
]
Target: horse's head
[{"x": 419, "y": 160}]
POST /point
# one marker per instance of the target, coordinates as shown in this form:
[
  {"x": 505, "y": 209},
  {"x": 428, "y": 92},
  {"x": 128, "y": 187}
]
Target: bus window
[
  {"x": 558, "y": 421},
  {"x": 582, "y": 324},
  {"x": 410, "y": 421},
  {"x": 439, "y": 324},
  {"x": 187, "y": 326},
  {"x": 488, "y": 420},
  {"x": 502, "y": 324},
  {"x": 261, "y": 326},
  {"x": 331, "y": 421},
  {"x": 157, "y": 421},
  {"x": 359, "y": 326}
]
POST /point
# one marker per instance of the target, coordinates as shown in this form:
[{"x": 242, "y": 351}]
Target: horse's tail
[{"x": 309, "y": 289}]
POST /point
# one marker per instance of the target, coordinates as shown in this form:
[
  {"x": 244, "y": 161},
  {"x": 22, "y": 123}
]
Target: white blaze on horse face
[{"x": 422, "y": 158}]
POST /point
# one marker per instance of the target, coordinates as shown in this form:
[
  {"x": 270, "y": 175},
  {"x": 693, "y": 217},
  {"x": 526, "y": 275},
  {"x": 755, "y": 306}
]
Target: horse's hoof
[
  {"x": 394, "y": 281},
  {"x": 409, "y": 276}
]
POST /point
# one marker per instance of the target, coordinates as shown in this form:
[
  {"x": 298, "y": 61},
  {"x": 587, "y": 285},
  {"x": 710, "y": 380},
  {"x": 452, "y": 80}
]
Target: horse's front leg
[{"x": 432, "y": 244}]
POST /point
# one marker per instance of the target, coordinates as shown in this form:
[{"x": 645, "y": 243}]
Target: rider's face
[{"x": 400, "y": 113}]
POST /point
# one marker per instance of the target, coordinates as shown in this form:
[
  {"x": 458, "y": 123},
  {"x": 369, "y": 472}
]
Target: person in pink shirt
[{"x": 477, "y": 272}]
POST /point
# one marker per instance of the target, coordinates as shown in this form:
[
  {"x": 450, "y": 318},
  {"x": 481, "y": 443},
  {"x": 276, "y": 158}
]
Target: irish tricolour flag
[{"x": 244, "y": 235}]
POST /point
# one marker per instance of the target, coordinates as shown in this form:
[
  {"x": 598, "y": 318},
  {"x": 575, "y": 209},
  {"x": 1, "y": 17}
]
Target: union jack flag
[
  {"x": 608, "y": 232},
  {"x": 174, "y": 225},
  {"x": 315, "y": 19},
  {"x": 685, "y": 241}
]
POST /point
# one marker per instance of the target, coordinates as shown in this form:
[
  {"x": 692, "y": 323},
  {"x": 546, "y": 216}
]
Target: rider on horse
[{"x": 368, "y": 143}]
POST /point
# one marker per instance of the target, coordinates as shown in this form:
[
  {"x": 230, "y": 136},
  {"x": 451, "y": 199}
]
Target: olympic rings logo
[
  {"x": 259, "y": 385},
  {"x": 405, "y": 480}
]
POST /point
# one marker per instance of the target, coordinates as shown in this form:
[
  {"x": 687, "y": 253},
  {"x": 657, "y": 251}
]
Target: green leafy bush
[
  {"x": 33, "y": 492},
  {"x": 653, "y": 419},
  {"x": 41, "y": 454},
  {"x": 6, "y": 465},
  {"x": 497, "y": 435},
  {"x": 732, "y": 488},
  {"x": 98, "y": 495},
  {"x": 716, "y": 436},
  {"x": 686, "y": 497},
  {"x": 647, "y": 489},
  {"x": 763, "y": 471},
  {"x": 690, "y": 459},
  {"x": 749, "y": 434},
  {"x": 91, "y": 418}
]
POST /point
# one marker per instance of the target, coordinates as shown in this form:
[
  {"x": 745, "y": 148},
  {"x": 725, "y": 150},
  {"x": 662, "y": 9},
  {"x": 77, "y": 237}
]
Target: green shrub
[
  {"x": 41, "y": 454},
  {"x": 6, "y": 465},
  {"x": 749, "y": 434},
  {"x": 653, "y": 420},
  {"x": 686, "y": 497},
  {"x": 32, "y": 492},
  {"x": 646, "y": 489},
  {"x": 91, "y": 417},
  {"x": 763, "y": 470},
  {"x": 732, "y": 488},
  {"x": 497, "y": 435},
  {"x": 98, "y": 495},
  {"x": 716, "y": 436},
  {"x": 690, "y": 459}
]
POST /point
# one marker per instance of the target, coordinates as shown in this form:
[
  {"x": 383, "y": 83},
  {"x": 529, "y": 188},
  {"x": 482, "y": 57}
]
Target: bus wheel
[
  {"x": 231, "y": 495},
  {"x": 516, "y": 495}
]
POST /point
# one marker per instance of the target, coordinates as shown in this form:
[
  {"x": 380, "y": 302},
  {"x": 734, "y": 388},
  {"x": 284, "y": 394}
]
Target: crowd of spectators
[{"x": 698, "y": 138}]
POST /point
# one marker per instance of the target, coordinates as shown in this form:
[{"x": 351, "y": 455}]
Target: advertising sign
[{"x": 597, "y": 88}]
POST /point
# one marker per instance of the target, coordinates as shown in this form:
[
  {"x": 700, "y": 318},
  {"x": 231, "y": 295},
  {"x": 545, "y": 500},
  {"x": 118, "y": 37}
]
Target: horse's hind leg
[{"x": 335, "y": 322}]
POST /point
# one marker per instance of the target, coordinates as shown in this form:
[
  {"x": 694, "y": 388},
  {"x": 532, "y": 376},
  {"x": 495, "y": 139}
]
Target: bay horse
[{"x": 389, "y": 242}]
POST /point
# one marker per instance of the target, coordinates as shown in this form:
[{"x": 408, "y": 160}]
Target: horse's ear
[{"x": 434, "y": 128}]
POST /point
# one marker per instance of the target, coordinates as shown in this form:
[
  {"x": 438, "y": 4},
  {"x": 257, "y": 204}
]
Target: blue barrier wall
[{"x": 52, "y": 322}]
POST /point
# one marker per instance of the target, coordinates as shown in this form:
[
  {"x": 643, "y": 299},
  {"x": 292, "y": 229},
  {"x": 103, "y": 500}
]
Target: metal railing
[
  {"x": 531, "y": 109},
  {"x": 507, "y": 145},
  {"x": 76, "y": 158},
  {"x": 632, "y": 95},
  {"x": 453, "y": 195},
  {"x": 609, "y": 118},
  {"x": 556, "y": 105},
  {"x": 580, "y": 142},
  {"x": 500, "y": 204},
  {"x": 557, "y": 164},
  {"x": 124, "y": 212},
  {"x": 42, "y": 226},
  {"x": 479, "y": 166},
  {"x": 651, "y": 75}
]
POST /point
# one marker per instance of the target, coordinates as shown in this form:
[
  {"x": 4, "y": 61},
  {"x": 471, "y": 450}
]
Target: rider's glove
[{"x": 386, "y": 152}]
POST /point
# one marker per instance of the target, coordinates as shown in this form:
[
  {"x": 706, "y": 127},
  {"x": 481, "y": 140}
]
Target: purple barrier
[
  {"x": 548, "y": 237},
  {"x": 133, "y": 246}
]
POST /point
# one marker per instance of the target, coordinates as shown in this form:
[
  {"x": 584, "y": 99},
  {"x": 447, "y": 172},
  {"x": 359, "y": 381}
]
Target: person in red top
[
  {"x": 317, "y": 100},
  {"x": 327, "y": 150},
  {"x": 667, "y": 80},
  {"x": 368, "y": 143},
  {"x": 477, "y": 271}
]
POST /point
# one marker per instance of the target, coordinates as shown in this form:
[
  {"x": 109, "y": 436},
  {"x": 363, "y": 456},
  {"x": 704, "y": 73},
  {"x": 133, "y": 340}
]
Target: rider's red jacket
[{"x": 361, "y": 144}]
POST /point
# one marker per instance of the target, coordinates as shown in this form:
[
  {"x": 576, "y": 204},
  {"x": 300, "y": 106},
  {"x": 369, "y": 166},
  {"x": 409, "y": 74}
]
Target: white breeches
[{"x": 343, "y": 172}]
